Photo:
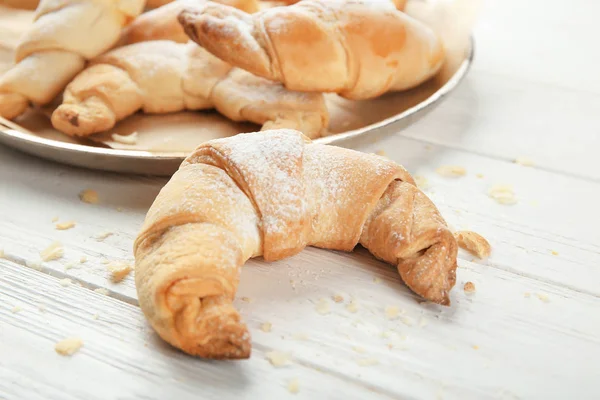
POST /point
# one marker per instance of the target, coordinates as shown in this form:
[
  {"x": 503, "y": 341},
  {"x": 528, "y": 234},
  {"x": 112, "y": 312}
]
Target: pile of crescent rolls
[{"x": 253, "y": 61}]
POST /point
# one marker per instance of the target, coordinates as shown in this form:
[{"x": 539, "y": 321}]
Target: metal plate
[{"x": 165, "y": 164}]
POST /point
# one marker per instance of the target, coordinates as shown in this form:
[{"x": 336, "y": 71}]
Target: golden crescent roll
[
  {"x": 161, "y": 23},
  {"x": 271, "y": 194},
  {"x": 164, "y": 76},
  {"x": 64, "y": 34},
  {"x": 357, "y": 48}
]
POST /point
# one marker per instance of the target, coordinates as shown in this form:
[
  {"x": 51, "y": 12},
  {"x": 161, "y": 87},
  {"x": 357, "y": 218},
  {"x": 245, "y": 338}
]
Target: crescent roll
[
  {"x": 357, "y": 48},
  {"x": 64, "y": 34},
  {"x": 271, "y": 194},
  {"x": 164, "y": 76}
]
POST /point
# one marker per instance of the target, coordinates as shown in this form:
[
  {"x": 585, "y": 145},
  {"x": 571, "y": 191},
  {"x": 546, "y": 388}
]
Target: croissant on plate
[
  {"x": 359, "y": 49},
  {"x": 271, "y": 194},
  {"x": 63, "y": 36},
  {"x": 165, "y": 76}
]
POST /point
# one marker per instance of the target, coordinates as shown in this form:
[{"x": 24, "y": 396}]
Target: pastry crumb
[
  {"x": 37, "y": 265},
  {"x": 377, "y": 280},
  {"x": 323, "y": 306},
  {"x": 55, "y": 219},
  {"x": 105, "y": 261},
  {"x": 527, "y": 295},
  {"x": 392, "y": 312},
  {"x": 266, "y": 326},
  {"x": 119, "y": 270},
  {"x": 83, "y": 260},
  {"x": 359, "y": 349},
  {"x": 52, "y": 252},
  {"x": 543, "y": 297},
  {"x": 130, "y": 139},
  {"x": 95, "y": 316},
  {"x": 63, "y": 226},
  {"x": 278, "y": 358},
  {"x": 65, "y": 282},
  {"x": 338, "y": 298},
  {"x": 554, "y": 252},
  {"x": 406, "y": 320},
  {"x": 89, "y": 196},
  {"x": 68, "y": 347},
  {"x": 293, "y": 386},
  {"x": 16, "y": 309},
  {"x": 451, "y": 171},
  {"x": 473, "y": 243},
  {"x": 475, "y": 347},
  {"x": 469, "y": 287},
  {"x": 247, "y": 299},
  {"x": 421, "y": 182},
  {"x": 367, "y": 362},
  {"x": 503, "y": 194},
  {"x": 480, "y": 176},
  {"x": 2, "y": 255},
  {"x": 102, "y": 291},
  {"x": 300, "y": 336},
  {"x": 381, "y": 153},
  {"x": 524, "y": 161},
  {"x": 104, "y": 235},
  {"x": 71, "y": 265},
  {"x": 352, "y": 307}
]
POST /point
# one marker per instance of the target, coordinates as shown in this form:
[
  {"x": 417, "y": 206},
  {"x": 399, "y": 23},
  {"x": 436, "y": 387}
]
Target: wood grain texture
[{"x": 529, "y": 331}]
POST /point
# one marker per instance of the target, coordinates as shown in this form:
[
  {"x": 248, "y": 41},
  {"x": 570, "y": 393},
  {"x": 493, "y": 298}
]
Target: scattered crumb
[
  {"x": 524, "y": 161},
  {"x": 338, "y": 298},
  {"x": 480, "y": 176},
  {"x": 55, "y": 219},
  {"x": 367, "y": 362},
  {"x": 422, "y": 322},
  {"x": 381, "y": 153},
  {"x": 278, "y": 358},
  {"x": 451, "y": 171},
  {"x": 119, "y": 270},
  {"x": 406, "y": 320},
  {"x": 474, "y": 243},
  {"x": 119, "y": 209},
  {"x": 293, "y": 386},
  {"x": 359, "y": 349},
  {"x": 300, "y": 336},
  {"x": 527, "y": 295},
  {"x": 102, "y": 291},
  {"x": 376, "y": 280},
  {"x": 42, "y": 308},
  {"x": 392, "y": 312},
  {"x": 105, "y": 261},
  {"x": 65, "y": 282},
  {"x": 89, "y": 196},
  {"x": 475, "y": 347},
  {"x": 503, "y": 194},
  {"x": 1, "y": 253},
  {"x": 95, "y": 316},
  {"x": 70, "y": 265},
  {"x": 543, "y": 297},
  {"x": 266, "y": 326},
  {"x": 247, "y": 300},
  {"x": 352, "y": 307},
  {"x": 104, "y": 235},
  {"x": 130, "y": 139},
  {"x": 37, "y": 265},
  {"x": 52, "y": 252},
  {"x": 469, "y": 287},
  {"x": 554, "y": 253},
  {"x": 16, "y": 309},
  {"x": 83, "y": 259},
  {"x": 63, "y": 226},
  {"x": 323, "y": 306},
  {"x": 421, "y": 182},
  {"x": 68, "y": 347}
]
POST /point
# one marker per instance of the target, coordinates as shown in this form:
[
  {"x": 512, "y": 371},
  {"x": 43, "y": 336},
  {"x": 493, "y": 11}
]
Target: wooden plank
[
  {"x": 121, "y": 358},
  {"x": 541, "y": 41}
]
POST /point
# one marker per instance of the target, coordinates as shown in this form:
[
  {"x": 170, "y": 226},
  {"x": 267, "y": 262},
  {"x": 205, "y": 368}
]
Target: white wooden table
[{"x": 531, "y": 330}]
